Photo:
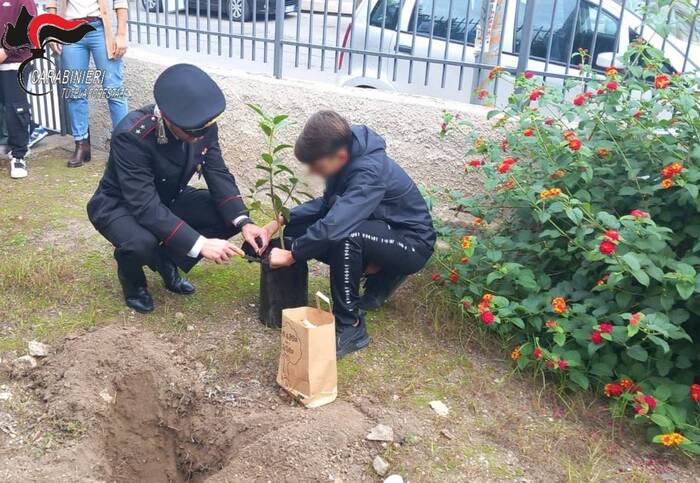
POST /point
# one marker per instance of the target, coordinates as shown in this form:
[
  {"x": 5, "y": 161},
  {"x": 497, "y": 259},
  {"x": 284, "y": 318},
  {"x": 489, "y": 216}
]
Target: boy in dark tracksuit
[
  {"x": 17, "y": 115},
  {"x": 371, "y": 220}
]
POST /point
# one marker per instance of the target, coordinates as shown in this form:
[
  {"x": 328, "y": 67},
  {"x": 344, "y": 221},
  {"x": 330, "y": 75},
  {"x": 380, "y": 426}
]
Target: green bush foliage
[{"x": 585, "y": 243}]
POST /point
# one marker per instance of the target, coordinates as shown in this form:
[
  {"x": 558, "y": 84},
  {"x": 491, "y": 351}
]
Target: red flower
[
  {"x": 563, "y": 364},
  {"x": 639, "y": 214},
  {"x": 475, "y": 163},
  {"x": 612, "y": 85},
  {"x": 549, "y": 121},
  {"x": 612, "y": 390},
  {"x": 628, "y": 385},
  {"x": 661, "y": 81},
  {"x": 635, "y": 318},
  {"x": 536, "y": 94},
  {"x": 528, "y": 75},
  {"x": 537, "y": 354},
  {"x": 436, "y": 277},
  {"x": 588, "y": 94},
  {"x": 575, "y": 144},
  {"x": 483, "y": 93},
  {"x": 651, "y": 402},
  {"x": 443, "y": 126},
  {"x": 569, "y": 135},
  {"x": 505, "y": 165},
  {"x": 487, "y": 317},
  {"x": 454, "y": 278},
  {"x": 528, "y": 132},
  {"x": 612, "y": 235},
  {"x": 550, "y": 364},
  {"x": 467, "y": 304},
  {"x": 600, "y": 91},
  {"x": 695, "y": 392},
  {"x": 579, "y": 100},
  {"x": 596, "y": 338},
  {"x": 645, "y": 402},
  {"x": 607, "y": 247},
  {"x": 637, "y": 114},
  {"x": 504, "y": 145},
  {"x": 602, "y": 152},
  {"x": 605, "y": 327}
]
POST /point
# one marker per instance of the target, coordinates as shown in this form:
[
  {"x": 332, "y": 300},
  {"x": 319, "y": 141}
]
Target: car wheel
[
  {"x": 236, "y": 8},
  {"x": 152, "y": 5}
]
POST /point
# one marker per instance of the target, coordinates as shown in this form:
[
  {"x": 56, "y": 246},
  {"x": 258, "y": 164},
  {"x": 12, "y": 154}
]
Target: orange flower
[
  {"x": 672, "y": 439},
  {"x": 661, "y": 81},
  {"x": 611, "y": 71},
  {"x": 466, "y": 242},
  {"x": 560, "y": 173},
  {"x": 666, "y": 183},
  {"x": 628, "y": 384},
  {"x": 478, "y": 221},
  {"x": 549, "y": 193},
  {"x": 464, "y": 260},
  {"x": 636, "y": 318},
  {"x": 508, "y": 185},
  {"x": 559, "y": 305},
  {"x": 575, "y": 144},
  {"x": 528, "y": 132},
  {"x": 671, "y": 170},
  {"x": 569, "y": 135},
  {"x": 495, "y": 72},
  {"x": 515, "y": 353},
  {"x": 602, "y": 152}
]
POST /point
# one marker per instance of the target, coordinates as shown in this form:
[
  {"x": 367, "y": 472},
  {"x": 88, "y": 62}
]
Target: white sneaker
[{"x": 18, "y": 168}]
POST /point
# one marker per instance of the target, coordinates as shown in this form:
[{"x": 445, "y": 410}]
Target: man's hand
[
  {"x": 219, "y": 251},
  {"x": 3, "y": 56},
  {"x": 56, "y": 48},
  {"x": 251, "y": 232},
  {"x": 281, "y": 258},
  {"x": 120, "y": 46}
]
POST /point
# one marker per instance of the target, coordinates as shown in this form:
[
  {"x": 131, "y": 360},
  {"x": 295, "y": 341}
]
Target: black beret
[{"x": 188, "y": 97}]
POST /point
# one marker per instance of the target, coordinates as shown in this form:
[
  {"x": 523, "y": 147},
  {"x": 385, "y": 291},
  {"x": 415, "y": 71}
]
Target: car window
[
  {"x": 463, "y": 19},
  {"x": 553, "y": 26},
  {"x": 386, "y": 13}
]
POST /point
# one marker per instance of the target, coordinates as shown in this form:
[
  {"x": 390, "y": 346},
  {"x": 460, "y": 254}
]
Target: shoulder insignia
[{"x": 144, "y": 125}]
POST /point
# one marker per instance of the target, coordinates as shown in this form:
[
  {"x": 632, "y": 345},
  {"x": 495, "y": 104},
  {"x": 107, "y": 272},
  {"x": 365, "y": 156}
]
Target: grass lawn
[{"x": 57, "y": 277}]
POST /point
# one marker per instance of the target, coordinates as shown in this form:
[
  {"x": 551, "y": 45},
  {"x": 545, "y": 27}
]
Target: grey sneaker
[{"x": 18, "y": 168}]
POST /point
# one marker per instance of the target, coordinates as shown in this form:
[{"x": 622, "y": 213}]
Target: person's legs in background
[
  {"x": 76, "y": 58},
  {"x": 112, "y": 71},
  {"x": 17, "y": 121}
]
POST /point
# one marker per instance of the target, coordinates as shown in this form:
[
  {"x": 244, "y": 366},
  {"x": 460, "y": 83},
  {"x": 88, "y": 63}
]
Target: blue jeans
[{"x": 76, "y": 58}]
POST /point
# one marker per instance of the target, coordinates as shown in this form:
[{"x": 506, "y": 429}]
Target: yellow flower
[
  {"x": 666, "y": 183},
  {"x": 672, "y": 439},
  {"x": 549, "y": 193},
  {"x": 515, "y": 354},
  {"x": 559, "y": 305},
  {"x": 466, "y": 242}
]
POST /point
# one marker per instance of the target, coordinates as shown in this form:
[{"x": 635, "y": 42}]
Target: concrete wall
[{"x": 410, "y": 124}]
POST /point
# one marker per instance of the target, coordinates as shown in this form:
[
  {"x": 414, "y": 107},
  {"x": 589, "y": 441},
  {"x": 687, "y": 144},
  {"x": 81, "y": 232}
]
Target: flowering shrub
[{"x": 584, "y": 247}]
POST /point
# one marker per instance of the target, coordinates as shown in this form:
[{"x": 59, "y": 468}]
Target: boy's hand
[{"x": 281, "y": 258}]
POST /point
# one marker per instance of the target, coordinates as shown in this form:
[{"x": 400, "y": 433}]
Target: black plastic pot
[{"x": 280, "y": 288}]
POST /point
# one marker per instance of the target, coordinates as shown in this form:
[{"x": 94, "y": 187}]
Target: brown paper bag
[{"x": 307, "y": 368}]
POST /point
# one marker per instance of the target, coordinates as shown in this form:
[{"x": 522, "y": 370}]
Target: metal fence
[
  {"x": 48, "y": 110},
  {"x": 438, "y": 47}
]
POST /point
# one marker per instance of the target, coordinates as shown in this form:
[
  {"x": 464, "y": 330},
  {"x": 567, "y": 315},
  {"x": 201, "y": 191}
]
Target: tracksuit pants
[
  {"x": 373, "y": 242},
  {"x": 17, "y": 115}
]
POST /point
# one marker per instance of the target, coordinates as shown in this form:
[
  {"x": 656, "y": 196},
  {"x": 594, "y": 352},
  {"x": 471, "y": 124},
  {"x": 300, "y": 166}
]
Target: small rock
[
  {"x": 179, "y": 315},
  {"x": 446, "y": 433},
  {"x": 190, "y": 328},
  {"x": 24, "y": 362},
  {"x": 38, "y": 349},
  {"x": 440, "y": 408},
  {"x": 380, "y": 465},
  {"x": 381, "y": 432},
  {"x": 394, "y": 479},
  {"x": 106, "y": 396},
  {"x": 5, "y": 396}
]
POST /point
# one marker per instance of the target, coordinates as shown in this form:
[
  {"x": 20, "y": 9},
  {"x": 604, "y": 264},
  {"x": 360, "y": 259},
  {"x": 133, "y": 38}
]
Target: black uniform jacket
[
  {"x": 143, "y": 179},
  {"x": 371, "y": 186}
]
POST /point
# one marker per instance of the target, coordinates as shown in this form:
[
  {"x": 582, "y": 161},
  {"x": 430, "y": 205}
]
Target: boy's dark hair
[{"x": 323, "y": 135}]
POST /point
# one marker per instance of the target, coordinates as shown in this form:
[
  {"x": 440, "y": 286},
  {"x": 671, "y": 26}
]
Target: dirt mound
[{"x": 148, "y": 416}]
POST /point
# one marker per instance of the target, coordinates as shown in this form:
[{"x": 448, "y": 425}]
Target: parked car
[
  {"x": 557, "y": 26},
  {"x": 235, "y": 9}
]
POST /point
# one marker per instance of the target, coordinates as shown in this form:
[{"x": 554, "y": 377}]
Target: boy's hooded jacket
[
  {"x": 371, "y": 186},
  {"x": 9, "y": 13}
]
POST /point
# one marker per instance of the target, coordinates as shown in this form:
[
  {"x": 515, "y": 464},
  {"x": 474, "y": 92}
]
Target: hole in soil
[{"x": 156, "y": 434}]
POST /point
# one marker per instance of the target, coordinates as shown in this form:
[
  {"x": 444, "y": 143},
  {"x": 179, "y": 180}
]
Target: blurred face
[
  {"x": 180, "y": 134},
  {"x": 330, "y": 165}
]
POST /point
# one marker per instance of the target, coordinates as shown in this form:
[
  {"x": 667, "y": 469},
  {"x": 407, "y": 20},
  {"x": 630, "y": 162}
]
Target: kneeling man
[
  {"x": 143, "y": 204},
  {"x": 371, "y": 221}
]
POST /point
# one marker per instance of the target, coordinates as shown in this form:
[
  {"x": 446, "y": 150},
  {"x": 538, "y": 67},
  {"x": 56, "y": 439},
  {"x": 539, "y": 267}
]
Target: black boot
[
  {"x": 171, "y": 276},
  {"x": 136, "y": 294},
  {"x": 378, "y": 288},
  {"x": 350, "y": 338}
]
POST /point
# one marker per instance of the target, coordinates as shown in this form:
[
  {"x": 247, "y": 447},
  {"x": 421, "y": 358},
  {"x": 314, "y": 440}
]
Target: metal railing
[{"x": 438, "y": 47}]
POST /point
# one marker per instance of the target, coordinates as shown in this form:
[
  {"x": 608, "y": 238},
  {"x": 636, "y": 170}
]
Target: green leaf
[
  {"x": 685, "y": 289},
  {"x": 281, "y": 147},
  {"x": 279, "y": 119},
  {"x": 579, "y": 378},
  {"x": 632, "y": 261},
  {"x": 660, "y": 342},
  {"x": 662, "y": 421},
  {"x": 637, "y": 352},
  {"x": 560, "y": 339}
]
